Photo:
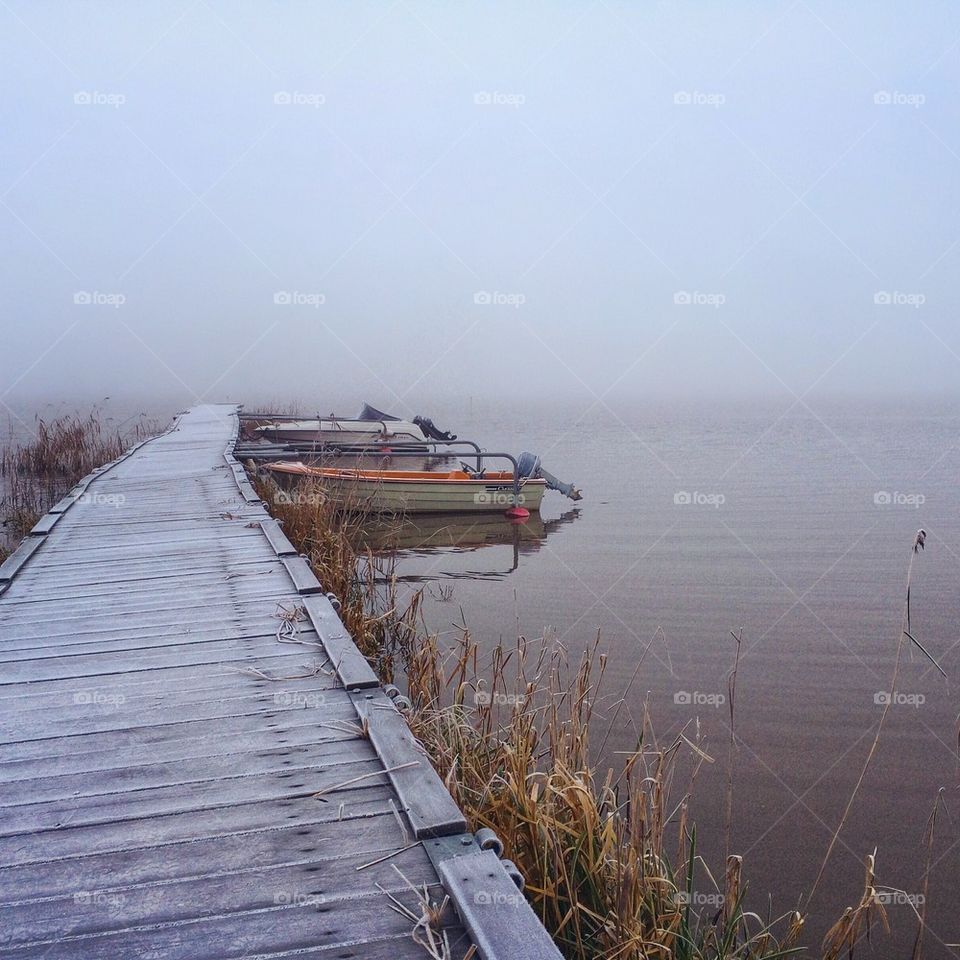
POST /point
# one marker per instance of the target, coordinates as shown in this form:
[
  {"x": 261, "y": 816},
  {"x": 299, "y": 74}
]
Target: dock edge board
[
  {"x": 282, "y": 547},
  {"x": 45, "y": 524},
  {"x": 494, "y": 911},
  {"x": 15, "y": 562},
  {"x": 353, "y": 670},
  {"x": 426, "y": 801},
  {"x": 302, "y": 575}
]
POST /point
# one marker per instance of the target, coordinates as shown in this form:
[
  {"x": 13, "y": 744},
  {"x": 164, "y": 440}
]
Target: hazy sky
[{"x": 400, "y": 200}]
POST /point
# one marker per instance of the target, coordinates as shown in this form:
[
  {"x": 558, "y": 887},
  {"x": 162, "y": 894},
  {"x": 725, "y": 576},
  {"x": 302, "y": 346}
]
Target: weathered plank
[
  {"x": 308, "y": 881},
  {"x": 39, "y": 727},
  {"x": 286, "y": 741},
  {"x": 267, "y": 845},
  {"x": 162, "y": 801},
  {"x": 302, "y": 576},
  {"x": 78, "y": 842},
  {"x": 284, "y": 761},
  {"x": 19, "y": 650},
  {"x": 278, "y": 539},
  {"x": 14, "y": 563},
  {"x": 352, "y": 667},
  {"x": 45, "y": 524},
  {"x": 64, "y": 644},
  {"x": 172, "y": 684},
  {"x": 495, "y": 913},
  {"x": 425, "y": 799},
  {"x": 301, "y": 707},
  {"x": 108, "y": 668},
  {"x": 286, "y": 927}
]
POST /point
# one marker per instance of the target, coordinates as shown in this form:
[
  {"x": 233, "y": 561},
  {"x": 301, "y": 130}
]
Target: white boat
[
  {"x": 371, "y": 428},
  {"x": 337, "y": 430},
  {"x": 417, "y": 491}
]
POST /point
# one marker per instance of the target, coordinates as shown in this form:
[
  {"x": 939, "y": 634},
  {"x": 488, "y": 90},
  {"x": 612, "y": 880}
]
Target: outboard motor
[
  {"x": 528, "y": 465},
  {"x": 426, "y": 425}
]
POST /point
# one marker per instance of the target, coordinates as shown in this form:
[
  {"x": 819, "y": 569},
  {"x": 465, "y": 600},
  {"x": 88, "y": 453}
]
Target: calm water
[{"x": 788, "y": 536}]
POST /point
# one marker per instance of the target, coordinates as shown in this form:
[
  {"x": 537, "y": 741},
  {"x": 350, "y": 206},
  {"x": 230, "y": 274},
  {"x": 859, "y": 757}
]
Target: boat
[
  {"x": 417, "y": 491},
  {"x": 370, "y": 429}
]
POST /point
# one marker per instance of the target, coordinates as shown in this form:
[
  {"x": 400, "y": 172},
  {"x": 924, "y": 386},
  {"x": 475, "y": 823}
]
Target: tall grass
[
  {"x": 35, "y": 473},
  {"x": 610, "y": 858}
]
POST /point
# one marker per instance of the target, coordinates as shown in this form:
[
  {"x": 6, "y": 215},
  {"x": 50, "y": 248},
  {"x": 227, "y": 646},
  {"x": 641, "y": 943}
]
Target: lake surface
[{"x": 797, "y": 527}]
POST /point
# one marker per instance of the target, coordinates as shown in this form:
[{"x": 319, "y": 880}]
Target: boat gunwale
[{"x": 412, "y": 476}]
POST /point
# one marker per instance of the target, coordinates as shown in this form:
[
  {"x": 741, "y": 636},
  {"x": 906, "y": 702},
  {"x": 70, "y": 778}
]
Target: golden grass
[{"x": 610, "y": 860}]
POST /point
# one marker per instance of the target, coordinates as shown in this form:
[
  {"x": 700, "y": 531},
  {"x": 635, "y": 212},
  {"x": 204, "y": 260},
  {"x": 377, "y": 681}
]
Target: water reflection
[{"x": 441, "y": 536}]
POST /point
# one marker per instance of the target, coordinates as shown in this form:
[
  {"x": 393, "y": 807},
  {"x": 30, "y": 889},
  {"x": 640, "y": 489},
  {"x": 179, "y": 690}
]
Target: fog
[{"x": 400, "y": 201}]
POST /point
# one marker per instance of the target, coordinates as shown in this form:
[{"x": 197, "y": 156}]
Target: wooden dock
[{"x": 162, "y": 742}]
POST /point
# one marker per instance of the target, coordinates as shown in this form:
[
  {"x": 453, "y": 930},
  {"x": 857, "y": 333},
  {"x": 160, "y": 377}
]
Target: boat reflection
[{"x": 427, "y": 535}]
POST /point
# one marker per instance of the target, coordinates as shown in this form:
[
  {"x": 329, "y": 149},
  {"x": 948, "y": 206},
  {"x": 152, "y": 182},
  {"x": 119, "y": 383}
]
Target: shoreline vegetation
[{"x": 610, "y": 859}]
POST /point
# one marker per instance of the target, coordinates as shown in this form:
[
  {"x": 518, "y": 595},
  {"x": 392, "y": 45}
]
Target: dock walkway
[{"x": 162, "y": 744}]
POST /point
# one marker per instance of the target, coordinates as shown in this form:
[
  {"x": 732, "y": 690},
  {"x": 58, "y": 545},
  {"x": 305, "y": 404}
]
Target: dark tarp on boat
[
  {"x": 424, "y": 423},
  {"x": 372, "y": 413}
]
